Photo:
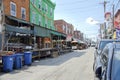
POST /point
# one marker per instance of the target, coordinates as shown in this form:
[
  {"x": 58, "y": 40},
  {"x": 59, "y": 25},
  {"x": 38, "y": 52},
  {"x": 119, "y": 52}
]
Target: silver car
[
  {"x": 98, "y": 52},
  {"x": 110, "y": 62}
]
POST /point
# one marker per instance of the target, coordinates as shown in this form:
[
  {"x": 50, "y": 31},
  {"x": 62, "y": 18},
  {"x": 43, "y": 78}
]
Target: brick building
[
  {"x": 15, "y": 23},
  {"x": 60, "y": 25},
  {"x": 64, "y": 27},
  {"x": 78, "y": 35},
  {"x": 17, "y": 8}
]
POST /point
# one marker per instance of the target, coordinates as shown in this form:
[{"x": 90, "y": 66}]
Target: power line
[
  {"x": 73, "y": 2},
  {"x": 82, "y": 8},
  {"x": 117, "y": 5}
]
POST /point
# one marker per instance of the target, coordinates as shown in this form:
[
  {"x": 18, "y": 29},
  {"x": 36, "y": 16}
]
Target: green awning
[
  {"x": 64, "y": 35},
  {"x": 18, "y": 20},
  {"x": 56, "y": 33},
  {"x": 10, "y": 28},
  {"x": 40, "y": 31}
]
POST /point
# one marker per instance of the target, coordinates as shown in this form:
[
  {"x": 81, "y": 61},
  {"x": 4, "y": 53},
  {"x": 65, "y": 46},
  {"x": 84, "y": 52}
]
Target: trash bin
[
  {"x": 27, "y": 58},
  {"x": 7, "y": 61},
  {"x": 18, "y": 61}
]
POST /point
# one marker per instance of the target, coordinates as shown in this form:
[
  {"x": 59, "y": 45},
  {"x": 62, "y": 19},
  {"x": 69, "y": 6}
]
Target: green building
[
  {"x": 42, "y": 16},
  {"x": 42, "y": 13}
]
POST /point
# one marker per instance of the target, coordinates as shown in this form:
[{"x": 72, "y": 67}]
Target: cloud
[{"x": 91, "y": 21}]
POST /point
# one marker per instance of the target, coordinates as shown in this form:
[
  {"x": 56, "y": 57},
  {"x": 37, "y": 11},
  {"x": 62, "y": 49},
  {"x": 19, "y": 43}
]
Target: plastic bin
[
  {"x": 18, "y": 61},
  {"x": 27, "y": 58},
  {"x": 7, "y": 63}
]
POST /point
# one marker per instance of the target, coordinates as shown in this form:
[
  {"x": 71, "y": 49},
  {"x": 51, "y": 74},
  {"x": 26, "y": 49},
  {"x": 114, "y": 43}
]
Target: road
[{"x": 76, "y": 65}]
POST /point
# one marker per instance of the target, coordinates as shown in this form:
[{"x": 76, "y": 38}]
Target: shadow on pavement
[
  {"x": 49, "y": 61},
  {"x": 60, "y": 59}
]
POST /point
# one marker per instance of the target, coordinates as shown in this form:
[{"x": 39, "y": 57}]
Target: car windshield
[
  {"x": 103, "y": 43},
  {"x": 115, "y": 74}
]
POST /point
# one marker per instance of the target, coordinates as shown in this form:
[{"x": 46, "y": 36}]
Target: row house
[
  {"x": 64, "y": 27},
  {"x": 19, "y": 9},
  {"x": 27, "y": 22},
  {"x": 78, "y": 35},
  {"x": 42, "y": 15},
  {"x": 15, "y": 26}
]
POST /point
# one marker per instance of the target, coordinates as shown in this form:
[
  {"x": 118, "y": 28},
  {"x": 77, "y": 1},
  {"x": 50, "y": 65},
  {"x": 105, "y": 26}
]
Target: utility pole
[
  {"x": 104, "y": 5},
  {"x": 113, "y": 19}
]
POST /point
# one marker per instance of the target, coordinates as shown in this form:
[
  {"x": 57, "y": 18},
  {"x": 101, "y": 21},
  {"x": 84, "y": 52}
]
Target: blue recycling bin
[
  {"x": 27, "y": 58},
  {"x": 7, "y": 61},
  {"x": 18, "y": 61}
]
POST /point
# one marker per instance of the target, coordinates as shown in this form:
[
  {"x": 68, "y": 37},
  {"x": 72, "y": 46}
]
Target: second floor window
[
  {"x": 40, "y": 4},
  {"x": 51, "y": 11},
  {"x": 46, "y": 8},
  {"x": 33, "y": 1},
  {"x": 23, "y": 13},
  {"x": 40, "y": 20},
  {"x": 12, "y": 9},
  {"x": 46, "y": 23},
  {"x": 33, "y": 17}
]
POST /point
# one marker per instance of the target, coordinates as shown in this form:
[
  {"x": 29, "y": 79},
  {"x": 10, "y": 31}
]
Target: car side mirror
[{"x": 98, "y": 72}]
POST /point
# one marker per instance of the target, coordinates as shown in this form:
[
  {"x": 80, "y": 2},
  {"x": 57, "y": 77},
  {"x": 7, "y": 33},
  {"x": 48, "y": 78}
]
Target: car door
[{"x": 104, "y": 62}]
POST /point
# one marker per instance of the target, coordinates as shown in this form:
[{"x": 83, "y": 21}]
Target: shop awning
[
  {"x": 18, "y": 20},
  {"x": 16, "y": 29},
  {"x": 40, "y": 31},
  {"x": 55, "y": 33},
  {"x": 58, "y": 33}
]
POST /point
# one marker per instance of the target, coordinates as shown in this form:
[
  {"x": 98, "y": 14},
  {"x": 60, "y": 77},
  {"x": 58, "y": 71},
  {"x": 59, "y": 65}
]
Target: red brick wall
[
  {"x": 59, "y": 24},
  {"x": 19, "y": 4}
]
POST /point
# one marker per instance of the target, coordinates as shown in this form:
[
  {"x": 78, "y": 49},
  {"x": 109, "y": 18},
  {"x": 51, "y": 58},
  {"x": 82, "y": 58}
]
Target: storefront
[{"x": 17, "y": 34}]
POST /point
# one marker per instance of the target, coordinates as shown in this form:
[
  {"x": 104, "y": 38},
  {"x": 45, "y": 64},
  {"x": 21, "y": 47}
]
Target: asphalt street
[{"x": 77, "y": 65}]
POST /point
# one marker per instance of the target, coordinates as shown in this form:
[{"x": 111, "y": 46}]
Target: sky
[{"x": 85, "y": 15}]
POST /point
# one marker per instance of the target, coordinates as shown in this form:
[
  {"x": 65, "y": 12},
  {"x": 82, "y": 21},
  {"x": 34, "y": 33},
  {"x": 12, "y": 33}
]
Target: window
[
  {"x": 40, "y": 4},
  {"x": 33, "y": 18},
  {"x": 51, "y": 12},
  {"x": 51, "y": 23},
  {"x": 63, "y": 27},
  {"x": 33, "y": 1},
  {"x": 23, "y": 13},
  {"x": 104, "y": 56},
  {"x": 39, "y": 20},
  {"x": 46, "y": 23},
  {"x": 46, "y": 7},
  {"x": 12, "y": 9}
]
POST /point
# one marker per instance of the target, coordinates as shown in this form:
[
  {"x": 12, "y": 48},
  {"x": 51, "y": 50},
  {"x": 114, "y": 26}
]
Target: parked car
[
  {"x": 110, "y": 62},
  {"x": 99, "y": 48},
  {"x": 93, "y": 45}
]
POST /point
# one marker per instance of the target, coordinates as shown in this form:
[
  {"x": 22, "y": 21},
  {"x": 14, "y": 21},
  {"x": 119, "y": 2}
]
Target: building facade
[
  {"x": 60, "y": 25},
  {"x": 15, "y": 22},
  {"x": 78, "y": 35},
  {"x": 42, "y": 13},
  {"x": 42, "y": 16},
  {"x": 17, "y": 8},
  {"x": 64, "y": 27}
]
